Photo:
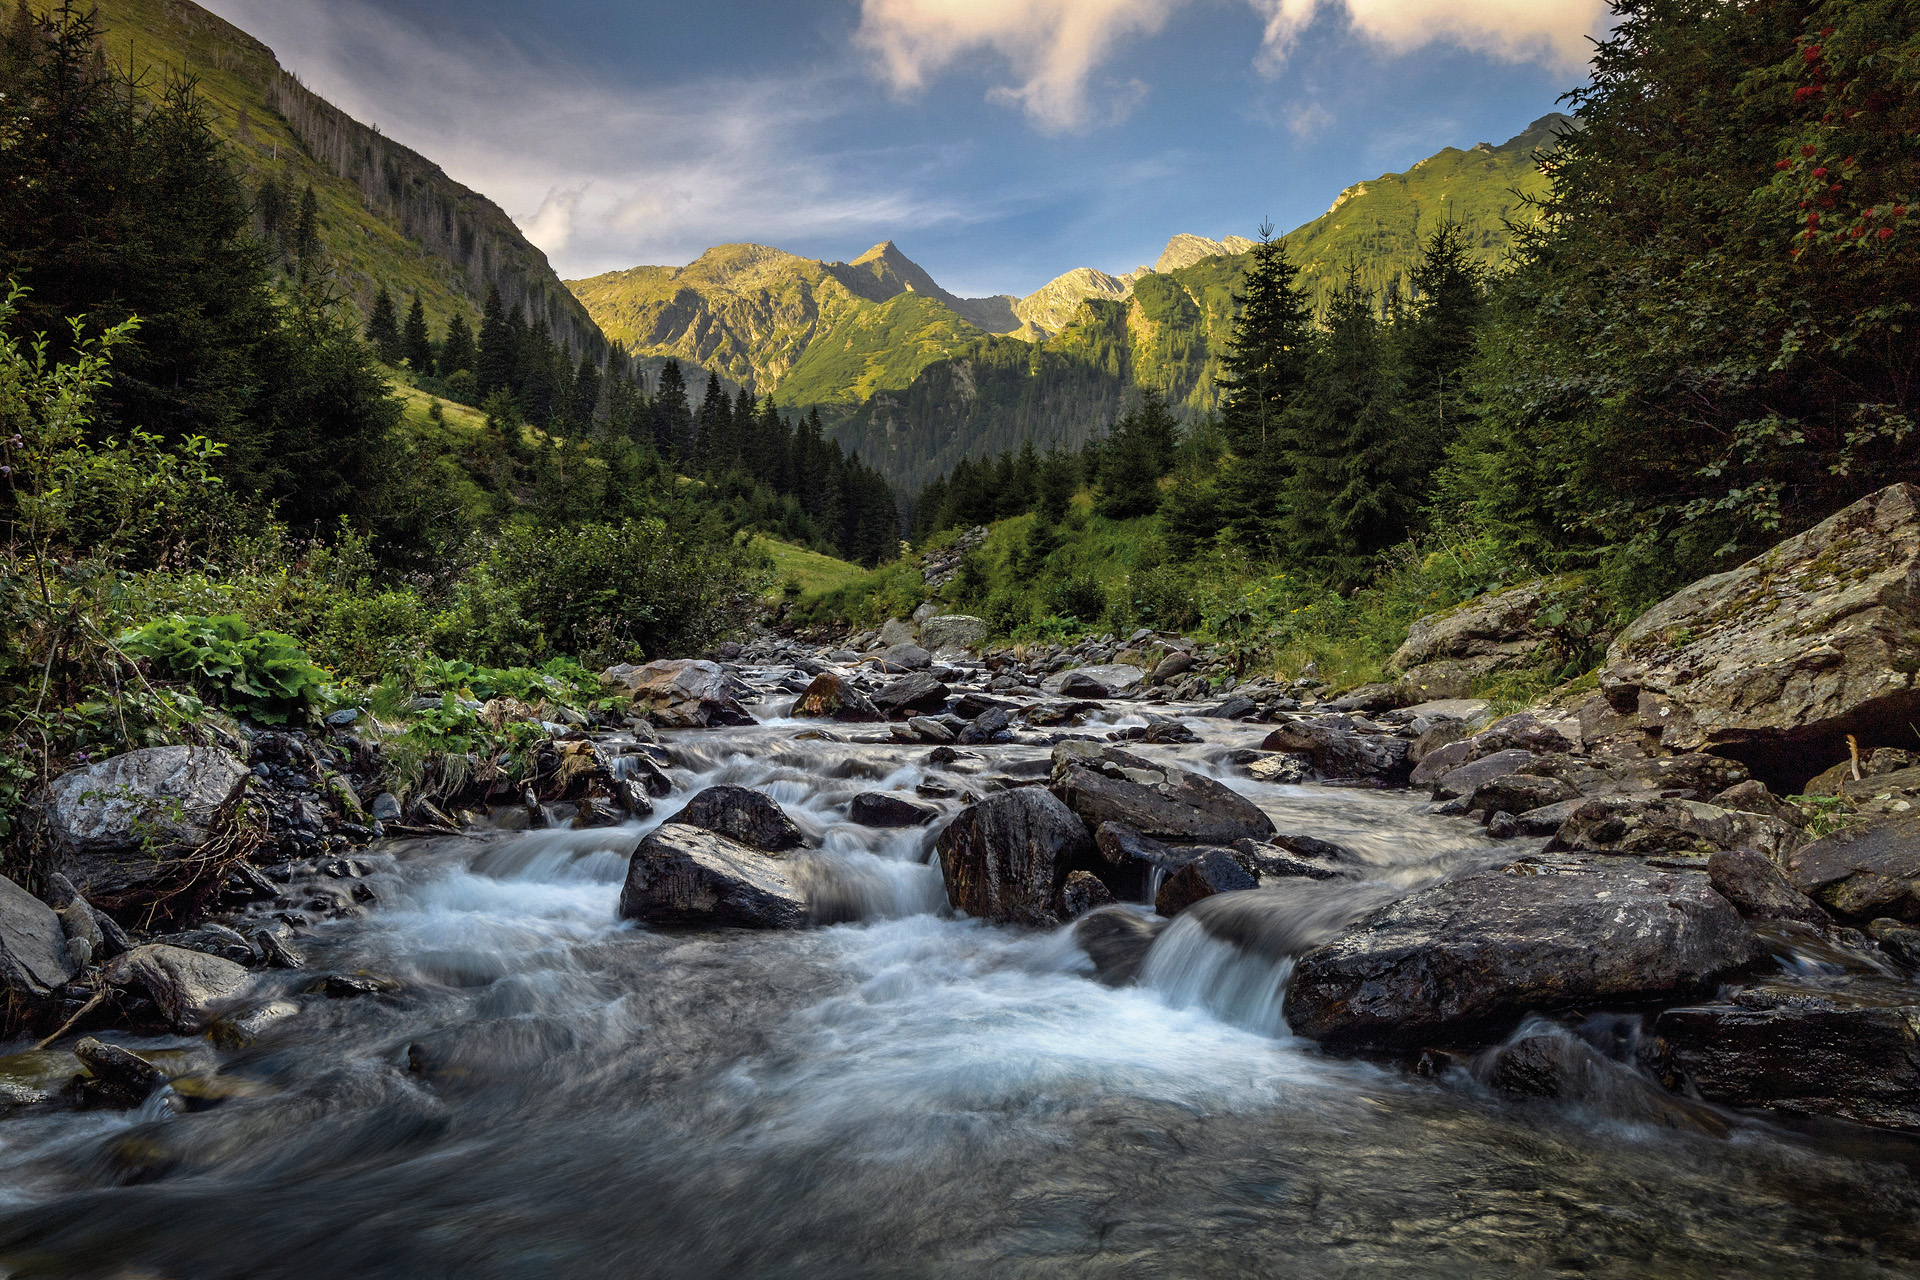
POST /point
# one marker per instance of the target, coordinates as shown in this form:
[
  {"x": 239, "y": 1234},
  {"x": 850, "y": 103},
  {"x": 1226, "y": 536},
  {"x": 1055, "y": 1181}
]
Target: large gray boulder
[
  {"x": 1114, "y": 677},
  {"x": 1863, "y": 872},
  {"x": 34, "y": 958},
  {"x": 190, "y": 987},
  {"x": 683, "y": 875},
  {"x": 953, "y": 633},
  {"x": 1486, "y": 634},
  {"x": 1006, "y": 858},
  {"x": 1463, "y": 961},
  {"x": 681, "y": 693},
  {"x": 1158, "y": 801},
  {"x": 124, "y": 825},
  {"x": 896, "y": 631},
  {"x": 912, "y": 695},
  {"x": 1637, "y": 826},
  {"x": 1343, "y": 753},
  {"x": 1802, "y": 1051},
  {"x": 831, "y": 697},
  {"x": 1778, "y": 660}
]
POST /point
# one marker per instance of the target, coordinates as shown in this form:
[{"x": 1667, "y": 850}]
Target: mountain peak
[{"x": 1184, "y": 250}]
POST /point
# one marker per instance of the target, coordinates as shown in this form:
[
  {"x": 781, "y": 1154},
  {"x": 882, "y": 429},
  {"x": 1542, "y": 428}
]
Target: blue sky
[{"x": 999, "y": 142}]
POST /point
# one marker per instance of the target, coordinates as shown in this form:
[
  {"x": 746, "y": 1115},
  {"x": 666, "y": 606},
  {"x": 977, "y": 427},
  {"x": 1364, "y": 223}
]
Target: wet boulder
[
  {"x": 1117, "y": 942},
  {"x": 1757, "y": 889},
  {"x": 905, "y": 657},
  {"x": 681, "y": 693},
  {"x": 985, "y": 727},
  {"x": 1285, "y": 768},
  {"x": 880, "y": 809},
  {"x": 1463, "y": 961},
  {"x": 830, "y": 697},
  {"x": 1489, "y": 633},
  {"x": 1802, "y": 1051},
  {"x": 1171, "y": 667},
  {"x": 126, "y": 828},
  {"x": 912, "y": 695},
  {"x": 116, "y": 1077},
  {"x": 1006, "y": 858},
  {"x": 1159, "y": 801},
  {"x": 752, "y": 817},
  {"x": 1864, "y": 872},
  {"x": 953, "y": 633},
  {"x": 685, "y": 875},
  {"x": 1212, "y": 871},
  {"x": 1470, "y": 777},
  {"x": 1110, "y": 678},
  {"x": 1778, "y": 660},
  {"x": 35, "y": 960},
  {"x": 1083, "y": 892},
  {"x": 188, "y": 987},
  {"x": 1641, "y": 827},
  {"x": 1341, "y": 752},
  {"x": 1519, "y": 793}
]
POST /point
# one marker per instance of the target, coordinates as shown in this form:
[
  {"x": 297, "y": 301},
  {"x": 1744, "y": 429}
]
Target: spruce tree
[
  {"x": 458, "y": 351},
  {"x": 672, "y": 417},
  {"x": 1433, "y": 337},
  {"x": 383, "y": 327},
  {"x": 1261, "y": 372},
  {"x": 416, "y": 347},
  {"x": 306, "y": 237},
  {"x": 713, "y": 428},
  {"x": 494, "y": 370}
]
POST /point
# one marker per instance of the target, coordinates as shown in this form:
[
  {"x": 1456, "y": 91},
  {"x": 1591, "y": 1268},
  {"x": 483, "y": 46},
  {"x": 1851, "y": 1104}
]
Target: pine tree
[
  {"x": 713, "y": 429},
  {"x": 1353, "y": 488},
  {"x": 306, "y": 236},
  {"x": 496, "y": 359},
  {"x": 1433, "y": 338},
  {"x": 416, "y": 347},
  {"x": 1261, "y": 372},
  {"x": 1059, "y": 478},
  {"x": 383, "y": 327},
  {"x": 584, "y": 401},
  {"x": 458, "y": 351},
  {"x": 672, "y": 417},
  {"x": 1139, "y": 452}
]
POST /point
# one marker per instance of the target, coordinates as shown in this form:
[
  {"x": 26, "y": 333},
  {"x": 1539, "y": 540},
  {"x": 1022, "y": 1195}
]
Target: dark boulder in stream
[
  {"x": 1868, "y": 871},
  {"x": 1212, "y": 871},
  {"x": 830, "y": 697},
  {"x": 683, "y": 875},
  {"x": 1106, "y": 784},
  {"x": 1465, "y": 960},
  {"x": 1006, "y": 858},
  {"x": 35, "y": 960},
  {"x": 743, "y": 814}
]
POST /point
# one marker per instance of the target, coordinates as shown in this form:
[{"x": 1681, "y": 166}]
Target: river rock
[
  {"x": 119, "y": 1077},
  {"x": 896, "y": 631},
  {"x": 879, "y": 809},
  {"x": 1285, "y": 768},
  {"x": 680, "y": 693},
  {"x": 953, "y": 633},
  {"x": 911, "y": 696},
  {"x": 1112, "y": 678},
  {"x": 1756, "y": 887},
  {"x": 1342, "y": 753},
  {"x": 905, "y": 657},
  {"x": 1626, "y": 825},
  {"x": 685, "y": 875},
  {"x": 1802, "y": 1051},
  {"x": 1006, "y": 858},
  {"x": 188, "y": 986},
  {"x": 125, "y": 825},
  {"x": 1117, "y": 942},
  {"x": 1159, "y": 801},
  {"x": 1519, "y": 793},
  {"x": 34, "y": 958},
  {"x": 1778, "y": 660},
  {"x": 1462, "y": 961},
  {"x": 986, "y": 726},
  {"x": 1486, "y": 634},
  {"x": 833, "y": 698},
  {"x": 1864, "y": 872},
  {"x": 1470, "y": 777},
  {"x": 741, "y": 813},
  {"x": 1083, "y": 892},
  {"x": 1213, "y": 871},
  {"x": 1171, "y": 667}
]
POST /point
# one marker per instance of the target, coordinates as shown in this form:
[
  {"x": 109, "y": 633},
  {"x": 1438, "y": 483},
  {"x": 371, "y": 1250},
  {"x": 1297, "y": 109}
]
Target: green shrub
[
  {"x": 264, "y": 674},
  {"x": 1078, "y": 596},
  {"x": 365, "y": 637}
]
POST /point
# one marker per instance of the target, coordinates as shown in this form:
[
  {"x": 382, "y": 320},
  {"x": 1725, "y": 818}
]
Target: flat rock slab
[
  {"x": 188, "y": 986},
  {"x": 1114, "y": 677},
  {"x": 1463, "y": 961},
  {"x": 1804, "y": 1052},
  {"x": 1159, "y": 801},
  {"x": 1863, "y": 872},
  {"x": 682, "y": 875}
]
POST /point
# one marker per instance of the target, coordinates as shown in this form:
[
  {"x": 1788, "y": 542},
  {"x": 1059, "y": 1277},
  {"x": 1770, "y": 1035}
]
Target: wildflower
[
  {"x": 1784, "y": 164},
  {"x": 1821, "y": 172},
  {"x": 1811, "y": 53},
  {"x": 1857, "y": 232},
  {"x": 1813, "y": 219}
]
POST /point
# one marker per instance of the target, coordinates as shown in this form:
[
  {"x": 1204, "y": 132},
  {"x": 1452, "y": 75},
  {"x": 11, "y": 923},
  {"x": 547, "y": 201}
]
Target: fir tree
[
  {"x": 457, "y": 352},
  {"x": 383, "y": 327},
  {"x": 306, "y": 236},
  {"x": 672, "y": 417},
  {"x": 1261, "y": 372},
  {"x": 1139, "y": 452},
  {"x": 1433, "y": 338},
  {"x": 416, "y": 347},
  {"x": 497, "y": 357}
]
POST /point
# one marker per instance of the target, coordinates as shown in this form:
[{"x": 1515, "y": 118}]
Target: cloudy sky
[{"x": 999, "y": 142}]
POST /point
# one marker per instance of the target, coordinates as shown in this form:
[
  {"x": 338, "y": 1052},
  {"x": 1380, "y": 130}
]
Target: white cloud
[
  {"x": 1054, "y": 47},
  {"x": 1308, "y": 120}
]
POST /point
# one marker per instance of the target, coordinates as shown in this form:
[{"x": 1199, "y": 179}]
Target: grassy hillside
[
  {"x": 875, "y": 348},
  {"x": 817, "y": 574},
  {"x": 388, "y": 217}
]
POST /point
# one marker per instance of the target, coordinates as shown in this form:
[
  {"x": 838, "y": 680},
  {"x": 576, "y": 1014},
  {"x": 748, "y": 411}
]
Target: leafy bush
[
  {"x": 264, "y": 674},
  {"x": 367, "y": 636},
  {"x": 1078, "y": 596}
]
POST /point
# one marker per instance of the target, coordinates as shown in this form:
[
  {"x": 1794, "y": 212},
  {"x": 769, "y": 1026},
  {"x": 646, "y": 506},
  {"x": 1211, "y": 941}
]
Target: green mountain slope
[{"x": 388, "y": 217}]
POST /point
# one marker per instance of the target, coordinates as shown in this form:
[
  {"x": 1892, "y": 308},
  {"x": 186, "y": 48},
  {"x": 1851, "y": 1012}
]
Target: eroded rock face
[
  {"x": 1864, "y": 872},
  {"x": 683, "y": 875},
  {"x": 1006, "y": 858},
  {"x": 743, "y": 814},
  {"x": 1462, "y": 961},
  {"x": 829, "y": 697},
  {"x": 124, "y": 824},
  {"x": 188, "y": 986},
  {"x": 34, "y": 958},
  {"x": 1159, "y": 801},
  {"x": 681, "y": 693},
  {"x": 1802, "y": 1051},
  {"x": 1779, "y": 659}
]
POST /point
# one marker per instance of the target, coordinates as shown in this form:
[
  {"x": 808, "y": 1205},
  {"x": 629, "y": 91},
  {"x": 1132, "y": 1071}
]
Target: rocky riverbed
[{"x": 887, "y": 957}]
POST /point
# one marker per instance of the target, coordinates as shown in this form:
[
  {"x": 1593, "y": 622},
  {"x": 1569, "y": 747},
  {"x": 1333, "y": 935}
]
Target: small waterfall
[{"x": 1189, "y": 968}]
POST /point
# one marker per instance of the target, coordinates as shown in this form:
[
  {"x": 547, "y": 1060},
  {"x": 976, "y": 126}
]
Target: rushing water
[{"x": 553, "y": 1093}]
